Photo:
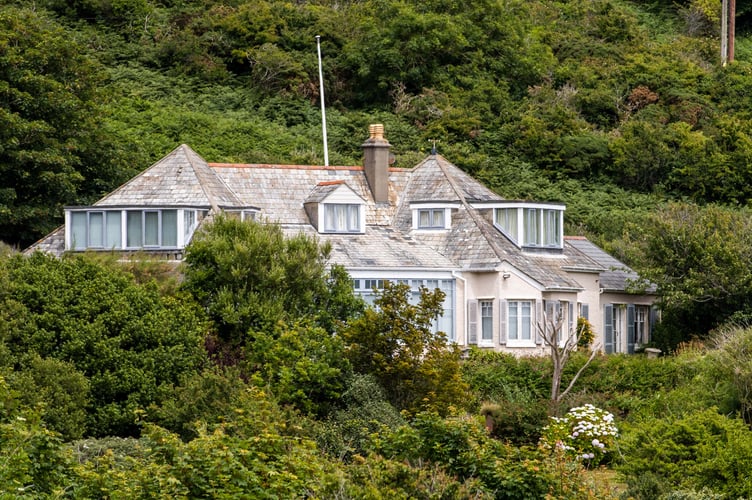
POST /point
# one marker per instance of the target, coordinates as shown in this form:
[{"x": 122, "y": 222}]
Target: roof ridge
[
  {"x": 477, "y": 219},
  {"x": 201, "y": 174}
]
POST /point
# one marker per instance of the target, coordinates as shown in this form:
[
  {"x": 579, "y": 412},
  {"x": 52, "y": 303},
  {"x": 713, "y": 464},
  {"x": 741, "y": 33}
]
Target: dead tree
[{"x": 560, "y": 350}]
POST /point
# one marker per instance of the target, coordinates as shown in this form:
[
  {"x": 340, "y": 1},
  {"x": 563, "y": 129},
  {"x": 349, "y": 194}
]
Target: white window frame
[
  {"x": 531, "y": 225},
  {"x": 185, "y": 224},
  {"x": 519, "y": 319},
  {"x": 485, "y": 322},
  {"x": 349, "y": 218},
  {"x": 432, "y": 213}
]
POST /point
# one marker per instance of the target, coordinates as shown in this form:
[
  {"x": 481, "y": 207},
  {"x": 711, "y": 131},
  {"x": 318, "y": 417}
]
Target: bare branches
[{"x": 562, "y": 342}]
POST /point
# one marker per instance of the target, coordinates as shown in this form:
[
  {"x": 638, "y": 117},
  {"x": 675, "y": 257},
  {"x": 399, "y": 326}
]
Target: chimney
[{"x": 376, "y": 163}]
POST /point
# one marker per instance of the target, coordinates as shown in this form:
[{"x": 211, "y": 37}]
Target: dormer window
[
  {"x": 342, "y": 218},
  {"x": 125, "y": 229},
  {"x": 333, "y": 207},
  {"x": 431, "y": 216},
  {"x": 539, "y": 226}
]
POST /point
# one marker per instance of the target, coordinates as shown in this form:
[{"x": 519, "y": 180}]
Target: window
[
  {"x": 506, "y": 218},
  {"x": 95, "y": 229},
  {"x": 520, "y": 321},
  {"x": 486, "y": 320},
  {"x": 444, "y": 323},
  {"x": 531, "y": 226},
  {"x": 431, "y": 218},
  {"x": 152, "y": 228},
  {"x": 342, "y": 218},
  {"x": 641, "y": 331}
]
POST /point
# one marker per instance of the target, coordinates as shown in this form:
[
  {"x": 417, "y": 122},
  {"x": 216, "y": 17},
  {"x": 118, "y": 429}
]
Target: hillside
[{"x": 614, "y": 107}]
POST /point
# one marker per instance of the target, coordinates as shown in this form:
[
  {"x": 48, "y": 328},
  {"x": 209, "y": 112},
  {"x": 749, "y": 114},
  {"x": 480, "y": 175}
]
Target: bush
[
  {"x": 585, "y": 433},
  {"x": 700, "y": 450}
]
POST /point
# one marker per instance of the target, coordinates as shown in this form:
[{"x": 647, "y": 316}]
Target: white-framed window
[
  {"x": 367, "y": 288},
  {"x": 152, "y": 228},
  {"x": 534, "y": 227},
  {"x": 520, "y": 322},
  {"x": 342, "y": 218},
  {"x": 117, "y": 229},
  {"x": 431, "y": 218},
  {"x": 486, "y": 321},
  {"x": 97, "y": 229}
]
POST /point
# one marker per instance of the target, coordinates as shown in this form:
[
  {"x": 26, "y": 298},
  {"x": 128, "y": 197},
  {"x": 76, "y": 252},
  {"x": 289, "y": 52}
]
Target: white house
[{"x": 504, "y": 265}]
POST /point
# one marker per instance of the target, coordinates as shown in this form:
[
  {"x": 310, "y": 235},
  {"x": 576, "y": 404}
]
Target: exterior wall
[{"x": 621, "y": 303}]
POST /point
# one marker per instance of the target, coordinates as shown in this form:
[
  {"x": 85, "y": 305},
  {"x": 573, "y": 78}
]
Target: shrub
[
  {"x": 699, "y": 450},
  {"x": 585, "y": 433}
]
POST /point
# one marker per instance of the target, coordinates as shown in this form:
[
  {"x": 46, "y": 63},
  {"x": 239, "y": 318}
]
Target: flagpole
[{"x": 323, "y": 108}]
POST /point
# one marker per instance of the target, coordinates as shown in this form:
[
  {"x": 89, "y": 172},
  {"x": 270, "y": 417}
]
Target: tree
[
  {"x": 561, "y": 344},
  {"x": 53, "y": 146},
  {"x": 126, "y": 339},
  {"x": 700, "y": 257},
  {"x": 394, "y": 342},
  {"x": 249, "y": 276}
]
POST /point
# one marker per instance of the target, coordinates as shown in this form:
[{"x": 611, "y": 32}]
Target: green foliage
[
  {"x": 249, "y": 276},
  {"x": 702, "y": 449},
  {"x": 365, "y": 411},
  {"x": 124, "y": 338},
  {"x": 34, "y": 462},
  {"x": 585, "y": 333},
  {"x": 730, "y": 362},
  {"x": 57, "y": 389},
  {"x": 700, "y": 259},
  {"x": 303, "y": 364},
  {"x": 54, "y": 150},
  {"x": 393, "y": 341},
  {"x": 462, "y": 447}
]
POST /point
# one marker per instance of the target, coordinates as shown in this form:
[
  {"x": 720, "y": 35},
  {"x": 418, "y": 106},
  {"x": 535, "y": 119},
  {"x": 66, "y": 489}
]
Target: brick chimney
[{"x": 376, "y": 163}]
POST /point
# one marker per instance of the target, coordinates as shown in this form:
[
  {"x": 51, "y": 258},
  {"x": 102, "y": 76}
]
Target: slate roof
[
  {"x": 472, "y": 244},
  {"x": 181, "y": 178},
  {"x": 616, "y": 276}
]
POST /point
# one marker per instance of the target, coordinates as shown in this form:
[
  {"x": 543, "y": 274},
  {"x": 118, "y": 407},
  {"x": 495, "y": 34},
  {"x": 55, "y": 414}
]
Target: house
[{"x": 504, "y": 265}]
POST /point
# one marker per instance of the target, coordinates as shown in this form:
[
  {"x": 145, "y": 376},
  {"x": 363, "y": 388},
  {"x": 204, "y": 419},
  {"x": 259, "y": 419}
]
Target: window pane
[
  {"x": 189, "y": 221},
  {"x": 353, "y": 220},
  {"x": 96, "y": 227},
  {"x": 341, "y": 218},
  {"x": 486, "y": 314},
  {"x": 532, "y": 236},
  {"x": 551, "y": 228},
  {"x": 513, "y": 321},
  {"x": 113, "y": 232},
  {"x": 78, "y": 230},
  {"x": 438, "y": 218},
  {"x": 424, "y": 218},
  {"x": 169, "y": 228},
  {"x": 151, "y": 229},
  {"x": 134, "y": 235},
  {"x": 525, "y": 321}
]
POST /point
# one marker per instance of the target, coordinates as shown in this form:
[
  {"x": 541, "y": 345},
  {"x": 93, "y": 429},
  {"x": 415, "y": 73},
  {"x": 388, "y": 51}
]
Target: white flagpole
[{"x": 323, "y": 108}]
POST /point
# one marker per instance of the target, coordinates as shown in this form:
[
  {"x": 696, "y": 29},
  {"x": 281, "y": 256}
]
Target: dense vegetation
[
  {"x": 116, "y": 381},
  {"x": 122, "y": 381},
  {"x": 615, "y": 107}
]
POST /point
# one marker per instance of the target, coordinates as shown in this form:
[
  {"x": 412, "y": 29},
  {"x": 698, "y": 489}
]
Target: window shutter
[
  {"x": 630, "y": 328},
  {"x": 608, "y": 328},
  {"x": 585, "y": 311},
  {"x": 653, "y": 321},
  {"x": 502, "y": 322},
  {"x": 538, "y": 315},
  {"x": 472, "y": 321}
]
